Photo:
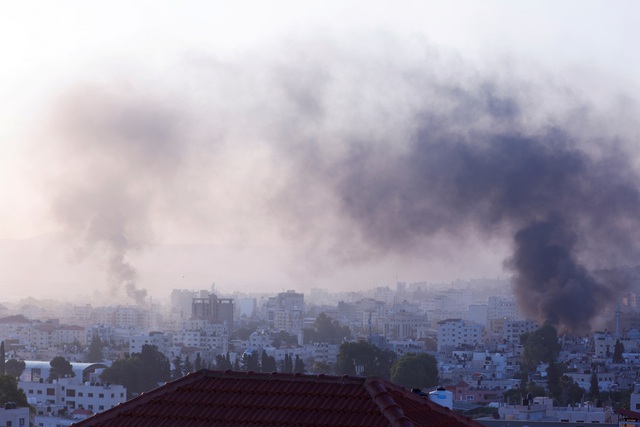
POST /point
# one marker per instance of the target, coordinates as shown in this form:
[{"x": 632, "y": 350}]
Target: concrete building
[
  {"x": 10, "y": 416},
  {"x": 69, "y": 392},
  {"x": 514, "y": 328},
  {"x": 159, "y": 339},
  {"x": 213, "y": 309},
  {"x": 455, "y": 333},
  {"x": 403, "y": 325}
]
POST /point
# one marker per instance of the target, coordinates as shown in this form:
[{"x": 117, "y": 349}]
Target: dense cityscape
[{"x": 72, "y": 361}]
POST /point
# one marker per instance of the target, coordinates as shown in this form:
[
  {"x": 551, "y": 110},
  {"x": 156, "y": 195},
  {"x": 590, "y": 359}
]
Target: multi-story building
[
  {"x": 73, "y": 394},
  {"x": 514, "y": 328},
  {"x": 160, "y": 340},
  {"x": 502, "y": 307},
  {"x": 455, "y": 333},
  {"x": 213, "y": 309},
  {"x": 404, "y": 325}
]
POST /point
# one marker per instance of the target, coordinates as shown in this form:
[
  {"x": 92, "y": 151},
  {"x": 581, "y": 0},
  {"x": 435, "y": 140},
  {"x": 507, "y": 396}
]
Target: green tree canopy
[
  {"x": 594, "y": 386},
  {"x": 95, "y": 350},
  {"x": 539, "y": 346},
  {"x": 298, "y": 365},
  {"x": 415, "y": 371},
  {"x": 177, "y": 371},
  {"x": 554, "y": 374},
  {"x": 15, "y": 368},
  {"x": 60, "y": 368},
  {"x": 3, "y": 357},
  {"x": 617, "y": 352},
  {"x": 327, "y": 329},
  {"x": 367, "y": 358},
  {"x": 9, "y": 391},
  {"x": 141, "y": 372}
]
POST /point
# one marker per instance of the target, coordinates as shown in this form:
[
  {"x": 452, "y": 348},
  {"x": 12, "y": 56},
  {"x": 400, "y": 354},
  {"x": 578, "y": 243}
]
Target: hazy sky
[{"x": 128, "y": 126}]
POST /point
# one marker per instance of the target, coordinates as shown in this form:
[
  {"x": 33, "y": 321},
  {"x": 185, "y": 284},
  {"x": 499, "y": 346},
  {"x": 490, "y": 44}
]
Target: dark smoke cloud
[
  {"x": 362, "y": 153},
  {"x": 470, "y": 163},
  {"x": 563, "y": 206}
]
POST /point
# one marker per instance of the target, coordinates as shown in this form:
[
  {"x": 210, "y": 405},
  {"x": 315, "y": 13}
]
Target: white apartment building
[
  {"x": 15, "y": 417},
  {"x": 502, "y": 307},
  {"x": 453, "y": 333},
  {"x": 291, "y": 320},
  {"x": 73, "y": 394},
  {"x": 159, "y": 339}
]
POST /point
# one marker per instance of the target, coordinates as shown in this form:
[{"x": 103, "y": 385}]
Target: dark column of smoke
[
  {"x": 551, "y": 285},
  {"x": 564, "y": 205}
]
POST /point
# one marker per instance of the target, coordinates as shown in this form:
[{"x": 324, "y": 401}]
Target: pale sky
[{"x": 204, "y": 71}]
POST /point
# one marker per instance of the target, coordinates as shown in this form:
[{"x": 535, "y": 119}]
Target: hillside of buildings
[{"x": 468, "y": 336}]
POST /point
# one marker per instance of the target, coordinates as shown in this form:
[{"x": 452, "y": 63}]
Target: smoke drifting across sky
[{"x": 355, "y": 153}]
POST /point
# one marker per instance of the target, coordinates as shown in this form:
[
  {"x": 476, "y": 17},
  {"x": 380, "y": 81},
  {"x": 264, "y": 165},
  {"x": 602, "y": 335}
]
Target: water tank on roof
[{"x": 442, "y": 397}]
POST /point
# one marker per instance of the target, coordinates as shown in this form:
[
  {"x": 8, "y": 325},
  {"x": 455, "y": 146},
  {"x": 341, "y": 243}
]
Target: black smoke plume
[{"x": 362, "y": 153}]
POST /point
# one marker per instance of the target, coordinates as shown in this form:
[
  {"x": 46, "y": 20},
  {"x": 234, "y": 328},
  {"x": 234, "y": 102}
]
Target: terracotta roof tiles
[{"x": 240, "y": 399}]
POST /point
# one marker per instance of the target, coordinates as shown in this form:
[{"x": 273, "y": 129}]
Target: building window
[
  {"x": 51, "y": 392},
  {"x": 71, "y": 393}
]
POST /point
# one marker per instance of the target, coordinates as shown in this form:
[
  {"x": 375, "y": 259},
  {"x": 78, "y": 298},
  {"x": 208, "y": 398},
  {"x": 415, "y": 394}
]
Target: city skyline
[{"x": 284, "y": 145}]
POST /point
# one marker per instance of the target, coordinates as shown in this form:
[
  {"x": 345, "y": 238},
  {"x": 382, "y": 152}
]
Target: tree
[
  {"x": 571, "y": 391},
  {"x": 223, "y": 363},
  {"x": 539, "y": 346},
  {"x": 365, "y": 359},
  {"x": 298, "y": 366},
  {"x": 60, "y": 368},
  {"x": 251, "y": 361},
  {"x": 15, "y": 368},
  {"x": 198, "y": 362},
  {"x": 95, "y": 350},
  {"x": 594, "y": 387},
  {"x": 177, "y": 371},
  {"x": 287, "y": 364},
  {"x": 140, "y": 372},
  {"x": 9, "y": 391},
  {"x": 553, "y": 380},
  {"x": 327, "y": 329},
  {"x": 617, "y": 352},
  {"x": 415, "y": 371},
  {"x": 188, "y": 366},
  {"x": 267, "y": 363},
  {"x": 3, "y": 357}
]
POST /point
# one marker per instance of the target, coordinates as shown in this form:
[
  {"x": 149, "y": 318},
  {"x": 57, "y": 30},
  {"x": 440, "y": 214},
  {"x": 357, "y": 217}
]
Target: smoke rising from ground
[{"x": 357, "y": 154}]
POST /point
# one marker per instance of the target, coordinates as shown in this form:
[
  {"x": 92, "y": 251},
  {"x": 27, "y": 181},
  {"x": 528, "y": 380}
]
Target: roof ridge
[
  {"x": 342, "y": 379},
  {"x": 377, "y": 388}
]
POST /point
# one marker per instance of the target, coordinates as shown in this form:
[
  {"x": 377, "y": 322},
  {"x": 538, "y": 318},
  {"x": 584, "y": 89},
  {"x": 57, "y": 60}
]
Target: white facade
[
  {"x": 159, "y": 339},
  {"x": 74, "y": 395},
  {"x": 18, "y": 417},
  {"x": 453, "y": 333}
]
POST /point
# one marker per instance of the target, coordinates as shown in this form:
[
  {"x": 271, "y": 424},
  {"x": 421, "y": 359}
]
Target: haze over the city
[{"x": 273, "y": 145}]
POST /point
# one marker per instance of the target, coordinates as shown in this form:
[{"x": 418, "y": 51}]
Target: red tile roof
[{"x": 208, "y": 398}]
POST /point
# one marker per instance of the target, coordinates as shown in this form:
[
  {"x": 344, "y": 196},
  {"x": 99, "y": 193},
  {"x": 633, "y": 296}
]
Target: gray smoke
[
  {"x": 116, "y": 155},
  {"x": 366, "y": 153}
]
